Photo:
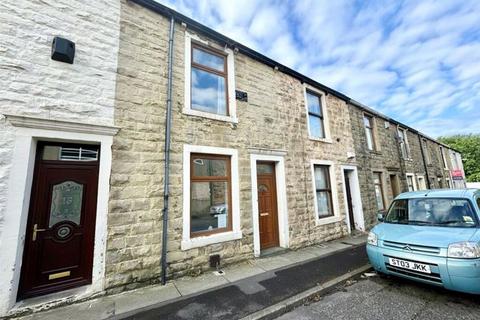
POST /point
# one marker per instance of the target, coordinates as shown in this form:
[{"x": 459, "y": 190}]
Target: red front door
[{"x": 59, "y": 239}]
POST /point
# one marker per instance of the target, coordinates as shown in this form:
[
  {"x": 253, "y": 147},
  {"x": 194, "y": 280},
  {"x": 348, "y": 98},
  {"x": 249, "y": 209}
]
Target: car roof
[{"x": 440, "y": 193}]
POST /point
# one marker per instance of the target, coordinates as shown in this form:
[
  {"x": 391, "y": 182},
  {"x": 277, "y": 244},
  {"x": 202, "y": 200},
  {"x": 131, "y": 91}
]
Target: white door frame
[
  {"x": 282, "y": 210},
  {"x": 28, "y": 131},
  {"x": 356, "y": 198}
]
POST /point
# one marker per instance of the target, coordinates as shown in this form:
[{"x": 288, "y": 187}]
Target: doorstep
[{"x": 257, "y": 278}]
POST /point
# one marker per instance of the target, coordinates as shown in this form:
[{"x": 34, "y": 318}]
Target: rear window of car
[{"x": 444, "y": 212}]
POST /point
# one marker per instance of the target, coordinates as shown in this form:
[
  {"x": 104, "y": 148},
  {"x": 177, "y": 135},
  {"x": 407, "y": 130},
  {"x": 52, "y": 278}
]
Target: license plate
[{"x": 415, "y": 266}]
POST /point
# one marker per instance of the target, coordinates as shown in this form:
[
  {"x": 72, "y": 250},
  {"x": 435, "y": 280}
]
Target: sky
[{"x": 415, "y": 61}]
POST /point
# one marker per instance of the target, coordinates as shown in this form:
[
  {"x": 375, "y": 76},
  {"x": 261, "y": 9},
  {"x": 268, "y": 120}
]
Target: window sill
[
  {"x": 324, "y": 221},
  {"x": 408, "y": 159},
  {"x": 211, "y": 239},
  {"x": 375, "y": 152},
  {"x": 212, "y": 116},
  {"x": 325, "y": 140}
]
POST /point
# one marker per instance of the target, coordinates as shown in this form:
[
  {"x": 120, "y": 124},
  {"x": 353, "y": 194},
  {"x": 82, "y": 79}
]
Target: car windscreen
[{"x": 445, "y": 212}]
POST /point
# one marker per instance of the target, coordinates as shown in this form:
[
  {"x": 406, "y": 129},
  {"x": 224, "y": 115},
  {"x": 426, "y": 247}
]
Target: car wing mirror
[{"x": 381, "y": 216}]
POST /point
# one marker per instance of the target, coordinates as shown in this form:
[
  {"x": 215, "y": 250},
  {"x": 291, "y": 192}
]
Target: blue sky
[{"x": 416, "y": 61}]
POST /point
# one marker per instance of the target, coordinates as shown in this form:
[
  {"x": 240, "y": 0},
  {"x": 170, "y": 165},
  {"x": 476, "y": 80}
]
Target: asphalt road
[{"x": 387, "y": 298}]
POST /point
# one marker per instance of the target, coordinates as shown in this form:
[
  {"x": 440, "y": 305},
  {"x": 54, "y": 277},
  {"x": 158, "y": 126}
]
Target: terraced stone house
[{"x": 137, "y": 145}]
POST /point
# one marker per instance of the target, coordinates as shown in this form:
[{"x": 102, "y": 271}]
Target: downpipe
[
  {"x": 166, "y": 180},
  {"x": 429, "y": 186}
]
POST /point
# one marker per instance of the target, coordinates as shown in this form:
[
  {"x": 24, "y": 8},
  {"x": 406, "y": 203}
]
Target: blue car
[{"x": 431, "y": 236}]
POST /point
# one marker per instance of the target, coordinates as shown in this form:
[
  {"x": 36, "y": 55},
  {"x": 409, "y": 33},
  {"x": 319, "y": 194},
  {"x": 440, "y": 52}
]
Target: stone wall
[
  {"x": 33, "y": 84},
  {"x": 274, "y": 118},
  {"x": 388, "y": 160}
]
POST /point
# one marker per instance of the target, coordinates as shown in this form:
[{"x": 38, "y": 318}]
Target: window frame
[
  {"x": 382, "y": 189},
  {"x": 372, "y": 127},
  {"x": 448, "y": 183},
  {"x": 444, "y": 158},
  {"x": 404, "y": 141},
  {"x": 194, "y": 41},
  {"x": 324, "y": 116},
  {"x": 334, "y": 193},
  {"x": 414, "y": 182},
  {"x": 235, "y": 233},
  {"x": 227, "y": 178},
  {"x": 428, "y": 157},
  {"x": 419, "y": 186},
  {"x": 327, "y": 190},
  {"x": 197, "y": 45}
]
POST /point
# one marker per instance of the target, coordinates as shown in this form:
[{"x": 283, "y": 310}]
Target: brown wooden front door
[
  {"x": 267, "y": 205},
  {"x": 59, "y": 241},
  {"x": 395, "y": 184}
]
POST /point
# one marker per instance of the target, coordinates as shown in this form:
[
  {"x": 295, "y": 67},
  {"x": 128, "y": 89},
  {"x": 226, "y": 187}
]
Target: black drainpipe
[
  {"x": 424, "y": 162},
  {"x": 168, "y": 124}
]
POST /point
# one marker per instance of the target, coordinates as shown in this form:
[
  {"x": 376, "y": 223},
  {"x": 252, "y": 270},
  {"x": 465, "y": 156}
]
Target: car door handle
[
  {"x": 35, "y": 230},
  {"x": 264, "y": 214}
]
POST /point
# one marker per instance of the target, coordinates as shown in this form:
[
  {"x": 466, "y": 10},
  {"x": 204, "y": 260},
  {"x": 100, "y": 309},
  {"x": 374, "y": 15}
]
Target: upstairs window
[
  {"x": 368, "y": 123},
  {"x": 209, "y": 81},
  {"x": 404, "y": 147},
  {"x": 316, "y": 123},
  {"x": 428, "y": 159},
  {"x": 444, "y": 159}
]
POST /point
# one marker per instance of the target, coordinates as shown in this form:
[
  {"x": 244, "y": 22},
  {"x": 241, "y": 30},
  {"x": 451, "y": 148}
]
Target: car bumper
[{"x": 454, "y": 274}]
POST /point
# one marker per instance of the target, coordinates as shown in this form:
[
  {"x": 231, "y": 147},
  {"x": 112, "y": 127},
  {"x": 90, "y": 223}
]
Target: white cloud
[{"x": 416, "y": 61}]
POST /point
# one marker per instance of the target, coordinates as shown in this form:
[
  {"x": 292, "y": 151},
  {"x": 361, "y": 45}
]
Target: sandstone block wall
[
  {"x": 273, "y": 118},
  {"x": 388, "y": 160}
]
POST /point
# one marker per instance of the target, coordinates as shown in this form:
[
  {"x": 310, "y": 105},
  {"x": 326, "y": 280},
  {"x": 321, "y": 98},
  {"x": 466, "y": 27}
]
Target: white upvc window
[
  {"x": 412, "y": 186},
  {"x": 454, "y": 159},
  {"x": 317, "y": 115},
  {"x": 421, "y": 182},
  {"x": 403, "y": 140},
  {"x": 209, "y": 80},
  {"x": 379, "y": 188},
  {"x": 211, "y": 208},
  {"x": 449, "y": 185},
  {"x": 444, "y": 159},
  {"x": 369, "y": 125},
  {"x": 325, "y": 192},
  {"x": 426, "y": 153}
]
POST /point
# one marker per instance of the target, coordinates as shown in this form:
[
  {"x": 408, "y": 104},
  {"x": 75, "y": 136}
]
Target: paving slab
[
  {"x": 188, "y": 285},
  {"x": 299, "y": 256},
  {"x": 144, "y": 297},
  {"x": 95, "y": 309},
  {"x": 241, "y": 271},
  {"x": 355, "y": 240},
  {"x": 272, "y": 263}
]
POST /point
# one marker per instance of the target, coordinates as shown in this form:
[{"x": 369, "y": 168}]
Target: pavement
[
  {"x": 386, "y": 298},
  {"x": 257, "y": 289}
]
